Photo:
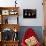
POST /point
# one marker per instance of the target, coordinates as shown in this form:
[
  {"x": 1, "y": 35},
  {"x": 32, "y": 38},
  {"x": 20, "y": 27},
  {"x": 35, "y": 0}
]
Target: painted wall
[
  {"x": 27, "y": 4},
  {"x": 37, "y": 29},
  {"x": 31, "y": 4}
]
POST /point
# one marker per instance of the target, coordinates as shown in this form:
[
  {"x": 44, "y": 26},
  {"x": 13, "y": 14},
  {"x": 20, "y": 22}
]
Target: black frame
[{"x": 29, "y": 13}]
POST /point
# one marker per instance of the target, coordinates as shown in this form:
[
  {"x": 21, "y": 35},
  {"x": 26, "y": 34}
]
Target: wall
[
  {"x": 37, "y": 30},
  {"x": 27, "y": 4},
  {"x": 31, "y": 4}
]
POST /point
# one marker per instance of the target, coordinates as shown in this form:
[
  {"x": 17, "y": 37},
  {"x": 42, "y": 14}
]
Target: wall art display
[
  {"x": 29, "y": 13},
  {"x": 5, "y": 12}
]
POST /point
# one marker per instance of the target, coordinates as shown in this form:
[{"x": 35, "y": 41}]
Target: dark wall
[{"x": 37, "y": 29}]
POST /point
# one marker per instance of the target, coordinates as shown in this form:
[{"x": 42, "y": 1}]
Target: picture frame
[
  {"x": 5, "y": 12},
  {"x": 29, "y": 13}
]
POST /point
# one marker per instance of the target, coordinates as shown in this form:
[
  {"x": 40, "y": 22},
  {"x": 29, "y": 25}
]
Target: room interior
[{"x": 17, "y": 16}]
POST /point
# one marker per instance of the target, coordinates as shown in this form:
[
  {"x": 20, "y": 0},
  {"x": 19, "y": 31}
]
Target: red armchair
[{"x": 29, "y": 34}]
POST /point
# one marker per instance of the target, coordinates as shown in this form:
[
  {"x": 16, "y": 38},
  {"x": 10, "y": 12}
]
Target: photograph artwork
[{"x": 29, "y": 13}]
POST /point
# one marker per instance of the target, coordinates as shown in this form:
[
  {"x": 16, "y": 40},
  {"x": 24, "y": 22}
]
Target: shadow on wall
[{"x": 37, "y": 29}]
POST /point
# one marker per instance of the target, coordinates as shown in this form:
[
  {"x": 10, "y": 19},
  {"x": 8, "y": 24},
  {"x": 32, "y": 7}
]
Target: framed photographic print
[
  {"x": 29, "y": 13},
  {"x": 5, "y": 12}
]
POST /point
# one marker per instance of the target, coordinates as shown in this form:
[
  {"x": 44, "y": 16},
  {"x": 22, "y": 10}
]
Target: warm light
[
  {"x": 15, "y": 30},
  {"x": 12, "y": 10}
]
